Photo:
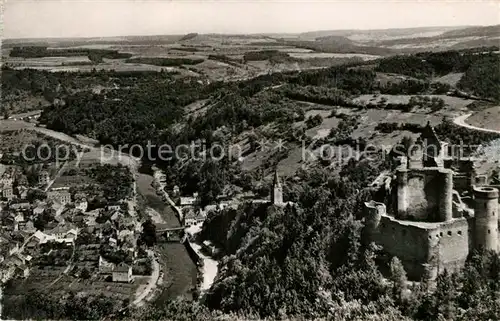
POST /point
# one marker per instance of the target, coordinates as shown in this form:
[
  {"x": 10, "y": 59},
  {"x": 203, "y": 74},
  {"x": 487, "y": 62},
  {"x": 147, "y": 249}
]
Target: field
[
  {"x": 453, "y": 107},
  {"x": 201, "y": 47},
  {"x": 233, "y": 47},
  {"x": 489, "y": 118},
  {"x": 297, "y": 156}
]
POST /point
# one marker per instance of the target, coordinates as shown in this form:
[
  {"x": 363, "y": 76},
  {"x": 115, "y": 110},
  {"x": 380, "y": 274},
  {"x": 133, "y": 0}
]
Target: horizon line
[{"x": 245, "y": 34}]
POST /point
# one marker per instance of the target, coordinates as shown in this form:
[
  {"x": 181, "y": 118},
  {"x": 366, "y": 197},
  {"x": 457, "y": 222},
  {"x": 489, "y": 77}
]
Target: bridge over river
[
  {"x": 166, "y": 233},
  {"x": 179, "y": 269}
]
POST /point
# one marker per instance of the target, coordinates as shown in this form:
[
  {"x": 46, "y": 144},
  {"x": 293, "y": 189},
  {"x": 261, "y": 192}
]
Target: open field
[
  {"x": 368, "y": 120},
  {"x": 306, "y": 51},
  {"x": 454, "y": 105},
  {"x": 451, "y": 79},
  {"x": 308, "y": 55},
  {"x": 489, "y": 118}
]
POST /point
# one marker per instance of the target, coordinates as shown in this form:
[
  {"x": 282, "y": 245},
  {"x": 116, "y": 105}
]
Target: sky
[{"x": 101, "y": 18}]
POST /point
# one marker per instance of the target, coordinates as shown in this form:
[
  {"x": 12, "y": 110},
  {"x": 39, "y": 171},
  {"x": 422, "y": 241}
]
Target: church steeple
[
  {"x": 276, "y": 181},
  {"x": 277, "y": 193}
]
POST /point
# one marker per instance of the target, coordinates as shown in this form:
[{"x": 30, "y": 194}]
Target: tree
[
  {"x": 398, "y": 278},
  {"x": 313, "y": 121},
  {"x": 148, "y": 235},
  {"x": 85, "y": 274}
]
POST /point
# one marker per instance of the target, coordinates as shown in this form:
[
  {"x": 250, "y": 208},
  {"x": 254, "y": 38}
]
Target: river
[{"x": 180, "y": 271}]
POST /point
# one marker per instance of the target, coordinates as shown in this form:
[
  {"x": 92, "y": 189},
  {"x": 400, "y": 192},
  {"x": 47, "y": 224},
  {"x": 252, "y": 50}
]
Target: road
[
  {"x": 140, "y": 300},
  {"x": 59, "y": 173},
  {"x": 104, "y": 155},
  {"x": 460, "y": 121}
]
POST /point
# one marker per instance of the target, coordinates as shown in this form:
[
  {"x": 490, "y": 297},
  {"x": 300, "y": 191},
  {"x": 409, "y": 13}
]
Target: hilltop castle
[{"x": 432, "y": 210}]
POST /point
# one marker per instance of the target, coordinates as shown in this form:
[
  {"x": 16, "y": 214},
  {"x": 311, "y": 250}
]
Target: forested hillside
[{"x": 483, "y": 78}]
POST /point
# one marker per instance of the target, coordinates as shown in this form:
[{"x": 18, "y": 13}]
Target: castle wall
[
  {"x": 452, "y": 244},
  {"x": 418, "y": 244}
]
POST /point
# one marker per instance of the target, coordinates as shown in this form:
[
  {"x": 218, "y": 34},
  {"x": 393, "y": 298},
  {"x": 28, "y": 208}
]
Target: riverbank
[
  {"x": 209, "y": 268},
  {"x": 179, "y": 270}
]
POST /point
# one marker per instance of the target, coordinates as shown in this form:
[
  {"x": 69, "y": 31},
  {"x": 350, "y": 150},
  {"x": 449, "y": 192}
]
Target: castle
[{"x": 432, "y": 210}]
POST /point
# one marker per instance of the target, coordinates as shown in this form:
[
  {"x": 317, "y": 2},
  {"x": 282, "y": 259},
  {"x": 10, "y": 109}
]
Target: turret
[
  {"x": 402, "y": 193},
  {"x": 277, "y": 193},
  {"x": 486, "y": 218},
  {"x": 373, "y": 214},
  {"x": 446, "y": 197}
]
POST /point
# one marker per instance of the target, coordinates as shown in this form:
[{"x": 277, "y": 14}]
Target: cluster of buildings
[
  {"x": 13, "y": 184},
  {"x": 58, "y": 215},
  {"x": 193, "y": 214},
  {"x": 114, "y": 232},
  {"x": 433, "y": 210}
]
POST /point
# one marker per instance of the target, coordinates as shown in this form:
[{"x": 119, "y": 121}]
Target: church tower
[{"x": 277, "y": 193}]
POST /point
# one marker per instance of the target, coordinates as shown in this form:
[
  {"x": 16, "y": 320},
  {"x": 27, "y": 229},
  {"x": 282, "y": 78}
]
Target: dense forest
[
  {"x": 39, "y": 52},
  {"x": 430, "y": 64},
  {"x": 271, "y": 55},
  {"x": 483, "y": 78},
  {"x": 164, "y": 62}
]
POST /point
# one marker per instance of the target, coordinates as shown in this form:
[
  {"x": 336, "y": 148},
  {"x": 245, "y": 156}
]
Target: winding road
[
  {"x": 141, "y": 298},
  {"x": 460, "y": 121}
]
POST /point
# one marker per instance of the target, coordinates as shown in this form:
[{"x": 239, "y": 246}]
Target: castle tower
[
  {"x": 446, "y": 197},
  {"x": 402, "y": 193},
  {"x": 486, "y": 217},
  {"x": 277, "y": 194},
  {"x": 373, "y": 215}
]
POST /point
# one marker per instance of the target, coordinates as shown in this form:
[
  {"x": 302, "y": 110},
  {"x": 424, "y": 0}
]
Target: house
[
  {"x": 114, "y": 207},
  {"x": 81, "y": 205},
  {"x": 62, "y": 197},
  {"x": 105, "y": 267},
  {"x": 7, "y": 192},
  {"x": 189, "y": 216},
  {"x": 43, "y": 178},
  {"x": 22, "y": 192},
  {"x": 56, "y": 209},
  {"x": 28, "y": 227},
  {"x": 38, "y": 210},
  {"x": 112, "y": 241},
  {"x": 18, "y": 221},
  {"x": 63, "y": 231},
  {"x": 20, "y": 206},
  {"x": 72, "y": 234},
  {"x": 125, "y": 235},
  {"x": 23, "y": 271},
  {"x": 31, "y": 245},
  {"x": 188, "y": 201},
  {"x": 208, "y": 247},
  {"x": 116, "y": 215},
  {"x": 122, "y": 273}
]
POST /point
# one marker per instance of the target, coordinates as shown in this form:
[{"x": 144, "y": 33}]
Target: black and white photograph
[{"x": 233, "y": 160}]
